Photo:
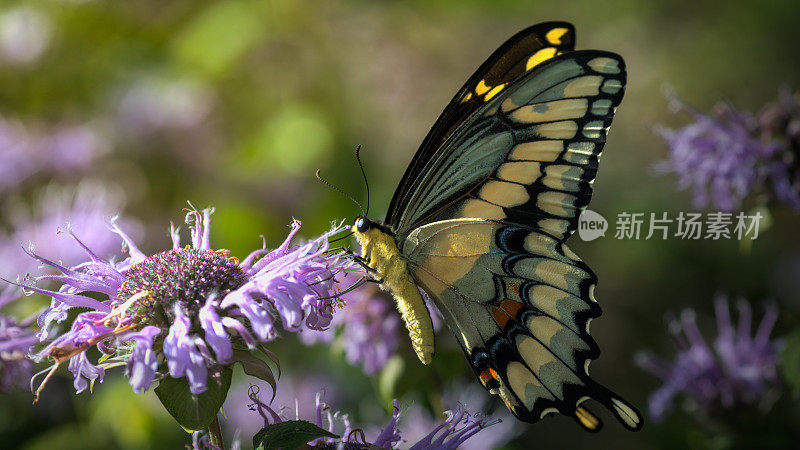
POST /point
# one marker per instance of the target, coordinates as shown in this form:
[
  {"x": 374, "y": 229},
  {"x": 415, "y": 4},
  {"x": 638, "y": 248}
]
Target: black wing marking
[{"x": 513, "y": 59}]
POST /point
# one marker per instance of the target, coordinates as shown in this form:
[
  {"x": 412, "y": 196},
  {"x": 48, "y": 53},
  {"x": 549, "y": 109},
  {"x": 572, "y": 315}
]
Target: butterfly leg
[{"x": 371, "y": 271}]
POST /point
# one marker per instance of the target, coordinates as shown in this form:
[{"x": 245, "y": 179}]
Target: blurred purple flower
[
  {"x": 780, "y": 122},
  {"x": 24, "y": 35},
  {"x": 459, "y": 426},
  {"x": 729, "y": 154},
  {"x": 154, "y": 104},
  {"x": 197, "y": 300},
  {"x": 86, "y": 208},
  {"x": 369, "y": 331},
  {"x": 740, "y": 368},
  {"x": 368, "y": 325},
  {"x": 62, "y": 149},
  {"x": 16, "y": 340}
]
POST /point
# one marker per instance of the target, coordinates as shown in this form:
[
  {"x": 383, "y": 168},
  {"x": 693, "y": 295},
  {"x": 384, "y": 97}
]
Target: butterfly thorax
[{"x": 381, "y": 254}]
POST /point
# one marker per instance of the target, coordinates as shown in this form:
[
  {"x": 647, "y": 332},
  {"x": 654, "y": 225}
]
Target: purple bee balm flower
[
  {"x": 179, "y": 312},
  {"x": 418, "y": 422},
  {"x": 459, "y": 426},
  {"x": 368, "y": 325},
  {"x": 153, "y": 104},
  {"x": 369, "y": 328},
  {"x": 85, "y": 208},
  {"x": 780, "y": 122},
  {"x": 738, "y": 368},
  {"x": 295, "y": 394},
  {"x": 64, "y": 149},
  {"x": 719, "y": 156},
  {"x": 730, "y": 154},
  {"x": 16, "y": 340}
]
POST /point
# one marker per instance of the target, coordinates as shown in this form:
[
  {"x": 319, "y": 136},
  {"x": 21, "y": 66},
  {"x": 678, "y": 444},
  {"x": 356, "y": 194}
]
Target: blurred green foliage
[{"x": 277, "y": 89}]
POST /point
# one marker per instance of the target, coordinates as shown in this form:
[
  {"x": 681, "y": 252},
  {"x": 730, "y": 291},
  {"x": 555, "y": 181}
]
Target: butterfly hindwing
[
  {"x": 531, "y": 155},
  {"x": 521, "y": 53},
  {"x": 519, "y": 302}
]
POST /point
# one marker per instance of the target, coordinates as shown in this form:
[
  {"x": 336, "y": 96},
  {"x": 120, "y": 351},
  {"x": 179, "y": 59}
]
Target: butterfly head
[
  {"x": 361, "y": 224},
  {"x": 369, "y": 233}
]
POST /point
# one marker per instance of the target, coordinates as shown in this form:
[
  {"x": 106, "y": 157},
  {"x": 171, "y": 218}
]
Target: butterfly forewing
[
  {"x": 520, "y": 54},
  {"x": 530, "y": 155}
]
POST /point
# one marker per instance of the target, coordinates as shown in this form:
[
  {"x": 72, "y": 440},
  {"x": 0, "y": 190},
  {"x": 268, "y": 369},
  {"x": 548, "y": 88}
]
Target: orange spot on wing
[
  {"x": 511, "y": 307},
  {"x": 508, "y": 310},
  {"x": 488, "y": 375},
  {"x": 501, "y": 317}
]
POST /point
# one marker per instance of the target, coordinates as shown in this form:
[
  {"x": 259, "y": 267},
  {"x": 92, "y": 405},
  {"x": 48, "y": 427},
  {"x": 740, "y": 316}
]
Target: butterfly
[{"x": 481, "y": 216}]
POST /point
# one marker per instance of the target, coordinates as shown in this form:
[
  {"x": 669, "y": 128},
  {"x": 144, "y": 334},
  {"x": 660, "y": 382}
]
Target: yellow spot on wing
[
  {"x": 525, "y": 172},
  {"x": 525, "y": 385},
  {"x": 554, "y": 36},
  {"x": 563, "y": 177},
  {"x": 504, "y": 194},
  {"x": 583, "y": 86},
  {"x": 604, "y": 65},
  {"x": 508, "y": 104},
  {"x": 587, "y": 419},
  {"x": 540, "y": 57},
  {"x": 544, "y": 151},
  {"x": 494, "y": 91},
  {"x": 480, "y": 209},
  {"x": 555, "y": 227},
  {"x": 557, "y": 130},
  {"x": 556, "y": 203},
  {"x": 551, "y": 111},
  {"x": 544, "y": 328},
  {"x": 482, "y": 88}
]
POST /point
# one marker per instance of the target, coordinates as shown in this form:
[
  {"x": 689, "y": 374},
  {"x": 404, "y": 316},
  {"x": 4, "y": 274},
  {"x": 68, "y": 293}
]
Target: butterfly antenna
[
  {"x": 319, "y": 177},
  {"x": 341, "y": 238},
  {"x": 363, "y": 174}
]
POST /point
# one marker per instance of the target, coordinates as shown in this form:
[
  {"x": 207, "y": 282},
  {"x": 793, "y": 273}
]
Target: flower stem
[{"x": 215, "y": 431}]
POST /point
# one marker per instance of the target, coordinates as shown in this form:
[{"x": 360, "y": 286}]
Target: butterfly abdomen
[{"x": 380, "y": 250}]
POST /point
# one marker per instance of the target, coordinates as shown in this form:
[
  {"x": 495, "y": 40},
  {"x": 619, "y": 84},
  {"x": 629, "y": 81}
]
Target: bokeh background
[{"x": 136, "y": 107}]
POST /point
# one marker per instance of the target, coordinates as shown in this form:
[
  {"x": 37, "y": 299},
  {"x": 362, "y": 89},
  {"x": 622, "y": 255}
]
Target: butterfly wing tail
[{"x": 626, "y": 413}]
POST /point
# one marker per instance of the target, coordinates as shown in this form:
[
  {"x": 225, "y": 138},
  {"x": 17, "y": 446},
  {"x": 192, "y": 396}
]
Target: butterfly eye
[{"x": 362, "y": 225}]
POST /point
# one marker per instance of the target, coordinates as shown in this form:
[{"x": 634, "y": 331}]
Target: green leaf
[
  {"x": 194, "y": 412},
  {"x": 389, "y": 376},
  {"x": 255, "y": 367},
  {"x": 273, "y": 357},
  {"x": 207, "y": 42},
  {"x": 790, "y": 361},
  {"x": 288, "y": 435}
]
